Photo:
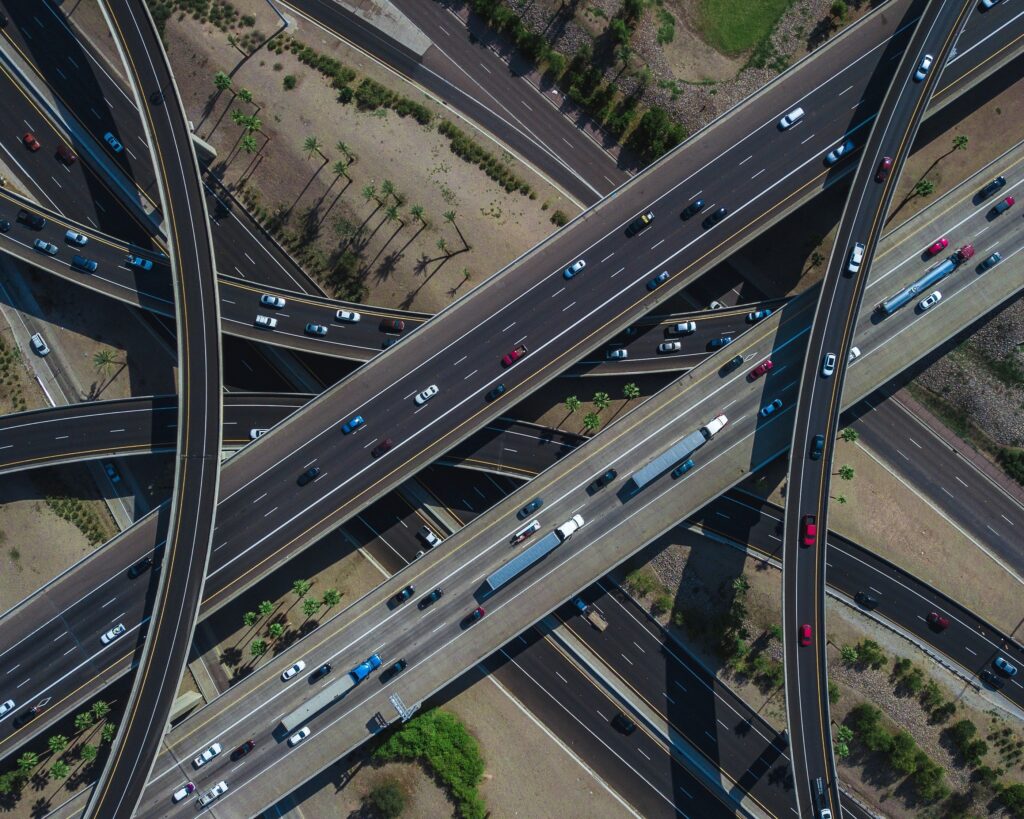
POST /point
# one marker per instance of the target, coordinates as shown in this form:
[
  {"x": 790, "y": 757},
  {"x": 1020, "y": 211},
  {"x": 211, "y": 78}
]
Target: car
[
  {"x": 683, "y": 468},
  {"x": 298, "y": 736},
  {"x": 495, "y": 393},
  {"x": 31, "y": 142},
  {"x": 616, "y": 353},
  {"x": 513, "y": 356},
  {"x": 817, "y": 447},
  {"x": 641, "y": 223},
  {"x": 352, "y": 424},
  {"x": 308, "y": 476},
  {"x": 1005, "y": 205},
  {"x": 991, "y": 679},
  {"x": 734, "y": 362},
  {"x": 73, "y": 237},
  {"x": 426, "y": 395},
  {"x": 683, "y": 328},
  {"x": 66, "y": 155},
  {"x": 257, "y": 432},
  {"x": 25, "y": 716},
  {"x": 46, "y": 247},
  {"x": 856, "y": 257},
  {"x": 854, "y": 354},
  {"x": 84, "y": 264},
  {"x": 714, "y": 218},
  {"x": 865, "y": 600},
  {"x": 111, "y": 473},
  {"x": 658, "y": 280},
  {"x": 758, "y": 315},
  {"x": 987, "y": 4},
  {"x": 113, "y": 634},
  {"x": 184, "y": 791},
  {"x": 113, "y": 142},
  {"x": 760, "y": 369},
  {"x": 805, "y": 634},
  {"x": 937, "y": 621},
  {"x": 605, "y": 478},
  {"x": 991, "y": 261},
  {"x": 828, "y": 365},
  {"x": 809, "y": 530},
  {"x": 214, "y": 792},
  {"x": 292, "y": 670},
  {"x": 351, "y": 316},
  {"x": 768, "y": 409},
  {"x": 314, "y": 329},
  {"x": 716, "y": 305},
  {"x": 392, "y": 325},
  {"x": 6, "y": 707},
  {"x": 32, "y": 220},
  {"x": 530, "y": 508},
  {"x": 930, "y": 300},
  {"x": 670, "y": 346},
  {"x": 382, "y": 447},
  {"x": 992, "y": 187},
  {"x": 431, "y": 598},
  {"x": 270, "y": 300},
  {"x": 883, "y": 169},
  {"x": 140, "y": 567},
  {"x": 791, "y": 119},
  {"x": 574, "y": 268},
  {"x": 923, "y": 67},
  {"x": 833, "y": 156},
  {"x": 623, "y": 723},
  {"x": 1004, "y": 666},
  {"x": 404, "y": 594},
  {"x": 475, "y": 615},
  {"x": 393, "y": 670},
  {"x": 243, "y": 749},
  {"x": 938, "y": 247},
  {"x": 427, "y": 535},
  {"x": 39, "y": 345},
  {"x": 722, "y": 341},
  {"x": 268, "y": 322},
  {"x": 138, "y": 262},
  {"x": 5, "y": 225},
  {"x": 692, "y": 209},
  {"x": 321, "y": 672}
]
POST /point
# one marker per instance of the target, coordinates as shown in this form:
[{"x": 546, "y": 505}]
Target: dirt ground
[{"x": 526, "y": 771}]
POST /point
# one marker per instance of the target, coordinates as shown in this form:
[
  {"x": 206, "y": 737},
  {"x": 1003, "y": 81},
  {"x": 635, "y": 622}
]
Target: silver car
[
  {"x": 268, "y": 300},
  {"x": 828, "y": 364}
]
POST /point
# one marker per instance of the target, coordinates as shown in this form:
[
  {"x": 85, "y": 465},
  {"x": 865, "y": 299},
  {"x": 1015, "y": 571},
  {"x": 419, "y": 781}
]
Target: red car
[
  {"x": 810, "y": 530},
  {"x": 760, "y": 369},
  {"x": 66, "y": 155},
  {"x": 512, "y": 357},
  {"x": 883, "y": 169},
  {"x": 805, "y": 634},
  {"x": 31, "y": 142},
  {"x": 939, "y": 246},
  {"x": 937, "y": 621}
]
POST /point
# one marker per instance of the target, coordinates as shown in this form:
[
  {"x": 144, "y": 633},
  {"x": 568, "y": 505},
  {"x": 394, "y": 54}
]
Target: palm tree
[
  {"x": 341, "y": 146},
  {"x": 387, "y": 188},
  {"x": 442, "y": 245},
  {"x": 300, "y": 587},
  {"x": 331, "y": 598},
  {"x": 840, "y": 499},
  {"x": 265, "y": 608},
  {"x": 845, "y": 472},
  {"x": 248, "y": 144},
  {"x": 238, "y": 117},
  {"x": 253, "y": 124},
  {"x": 58, "y": 743},
  {"x": 591, "y": 422},
  {"x": 311, "y": 145},
  {"x": 275, "y": 631},
  {"x": 222, "y": 81},
  {"x": 60, "y": 769},
  {"x": 416, "y": 211},
  {"x": 258, "y": 648},
  {"x": 27, "y": 761},
  {"x": 245, "y": 95},
  {"x": 960, "y": 142},
  {"x": 310, "y": 606},
  {"x": 370, "y": 192},
  {"x": 630, "y": 391},
  {"x": 88, "y": 752},
  {"x": 340, "y": 168},
  {"x": 84, "y": 721},
  {"x": 391, "y": 214},
  {"x": 924, "y": 187},
  {"x": 572, "y": 403},
  {"x": 602, "y": 400},
  {"x": 109, "y": 732},
  {"x": 250, "y": 618},
  {"x": 100, "y": 709},
  {"x": 849, "y": 435},
  {"x": 449, "y": 216},
  {"x": 104, "y": 361}
]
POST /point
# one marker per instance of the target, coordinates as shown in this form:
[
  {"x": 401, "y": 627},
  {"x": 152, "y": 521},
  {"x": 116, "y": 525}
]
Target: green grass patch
[{"x": 736, "y": 27}]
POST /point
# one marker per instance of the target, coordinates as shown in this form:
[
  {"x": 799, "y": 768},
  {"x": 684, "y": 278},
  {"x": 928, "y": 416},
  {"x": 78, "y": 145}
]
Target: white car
[
  {"x": 923, "y": 68},
  {"x": 257, "y": 433},
  {"x": 616, "y": 354},
  {"x": 207, "y": 755},
  {"x": 670, "y": 346},
  {"x": 348, "y": 315},
  {"x": 75, "y": 238},
  {"x": 426, "y": 395},
  {"x": 828, "y": 364},
  {"x": 6, "y": 708},
  {"x": 184, "y": 791},
  {"x": 113, "y": 634},
  {"x": 854, "y": 353},
  {"x": 268, "y": 300},
  {"x": 930, "y": 301},
  {"x": 298, "y": 736},
  {"x": 683, "y": 328},
  {"x": 428, "y": 536},
  {"x": 39, "y": 345},
  {"x": 295, "y": 669},
  {"x": 266, "y": 321},
  {"x": 791, "y": 119},
  {"x": 213, "y": 793},
  {"x": 856, "y": 257}
]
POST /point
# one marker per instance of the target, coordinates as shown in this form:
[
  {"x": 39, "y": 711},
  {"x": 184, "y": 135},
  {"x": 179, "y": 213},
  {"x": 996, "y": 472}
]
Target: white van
[{"x": 791, "y": 119}]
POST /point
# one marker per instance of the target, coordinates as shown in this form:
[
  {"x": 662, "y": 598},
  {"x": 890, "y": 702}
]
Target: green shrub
[
  {"x": 289, "y": 82},
  {"x": 662, "y": 603},
  {"x": 387, "y": 800},
  {"x": 641, "y": 582},
  {"x": 559, "y": 218}
]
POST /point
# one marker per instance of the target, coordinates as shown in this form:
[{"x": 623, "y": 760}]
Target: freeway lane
[{"x": 191, "y": 511}]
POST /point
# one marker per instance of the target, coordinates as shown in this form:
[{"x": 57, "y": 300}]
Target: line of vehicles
[{"x": 393, "y": 327}]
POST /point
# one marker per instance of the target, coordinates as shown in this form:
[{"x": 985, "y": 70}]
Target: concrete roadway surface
[
  {"x": 818, "y": 403},
  {"x": 476, "y": 82},
  {"x": 102, "y": 573},
  {"x": 192, "y": 509}
]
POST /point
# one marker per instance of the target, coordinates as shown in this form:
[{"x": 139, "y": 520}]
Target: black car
[
  {"x": 865, "y": 600},
  {"x": 322, "y": 671},
  {"x": 140, "y": 567},
  {"x": 642, "y": 222},
  {"x": 382, "y": 447},
  {"x": 605, "y": 479},
  {"x": 243, "y": 749},
  {"x": 157, "y": 97},
  {"x": 692, "y": 209},
  {"x": 623, "y": 723},
  {"x": 393, "y": 670},
  {"x": 993, "y": 186},
  {"x": 496, "y": 392},
  {"x": 5, "y": 225},
  {"x": 404, "y": 594},
  {"x": 431, "y": 598},
  {"x": 736, "y": 361},
  {"x": 32, "y": 220},
  {"x": 991, "y": 680},
  {"x": 309, "y": 475},
  {"x": 530, "y": 508},
  {"x": 817, "y": 447},
  {"x": 658, "y": 280},
  {"x": 26, "y": 716},
  {"x": 716, "y": 217}
]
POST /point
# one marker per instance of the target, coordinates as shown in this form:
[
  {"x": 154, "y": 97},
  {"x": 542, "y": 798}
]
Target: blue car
[
  {"x": 352, "y": 424},
  {"x": 757, "y": 315},
  {"x": 768, "y": 409},
  {"x": 84, "y": 264},
  {"x": 111, "y": 140},
  {"x": 574, "y": 268},
  {"x": 833, "y": 156},
  {"x": 716, "y": 343},
  {"x": 138, "y": 262},
  {"x": 658, "y": 280},
  {"x": 683, "y": 468}
]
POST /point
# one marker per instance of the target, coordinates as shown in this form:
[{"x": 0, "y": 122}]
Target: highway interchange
[{"x": 387, "y": 379}]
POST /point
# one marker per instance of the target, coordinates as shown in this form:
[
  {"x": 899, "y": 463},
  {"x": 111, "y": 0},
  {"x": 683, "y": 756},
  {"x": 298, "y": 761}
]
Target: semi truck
[
  {"x": 525, "y": 559},
  {"x": 940, "y": 271},
  {"x": 680, "y": 451},
  {"x": 330, "y": 694}
]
